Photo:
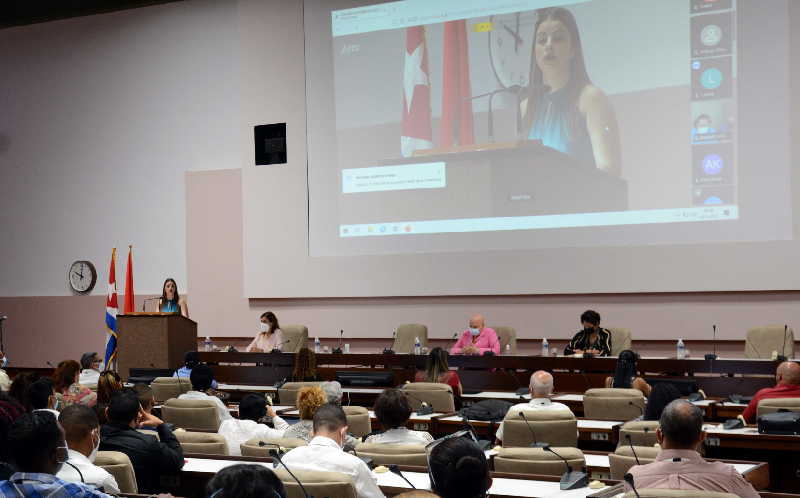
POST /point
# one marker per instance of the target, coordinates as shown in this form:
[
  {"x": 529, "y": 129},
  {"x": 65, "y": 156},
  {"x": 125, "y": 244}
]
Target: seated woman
[
  {"x": 661, "y": 395},
  {"x": 270, "y": 337},
  {"x": 458, "y": 469},
  {"x": 437, "y": 370},
  {"x": 65, "y": 380},
  {"x": 625, "y": 374},
  {"x": 108, "y": 383},
  {"x": 305, "y": 366},
  {"x": 309, "y": 399},
  {"x": 252, "y": 408},
  {"x": 592, "y": 339},
  {"x": 393, "y": 411}
]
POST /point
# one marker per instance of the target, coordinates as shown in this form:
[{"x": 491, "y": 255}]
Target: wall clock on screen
[
  {"x": 82, "y": 276},
  {"x": 510, "y": 45}
]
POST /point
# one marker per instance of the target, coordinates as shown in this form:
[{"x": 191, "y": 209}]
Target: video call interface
[{"x": 543, "y": 123}]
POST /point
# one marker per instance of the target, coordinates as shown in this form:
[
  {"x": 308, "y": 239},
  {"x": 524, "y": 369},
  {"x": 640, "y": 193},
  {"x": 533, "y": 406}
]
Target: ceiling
[{"x": 21, "y": 12}]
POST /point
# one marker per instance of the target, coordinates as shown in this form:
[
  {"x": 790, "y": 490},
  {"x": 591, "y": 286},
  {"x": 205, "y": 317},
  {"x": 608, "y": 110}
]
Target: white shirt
[
  {"x": 222, "y": 410},
  {"x": 535, "y": 404},
  {"x": 237, "y": 431},
  {"x": 88, "y": 377},
  {"x": 92, "y": 474},
  {"x": 324, "y": 454},
  {"x": 401, "y": 435},
  {"x": 5, "y": 382}
]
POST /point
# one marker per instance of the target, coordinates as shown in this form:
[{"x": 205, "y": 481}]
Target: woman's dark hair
[
  {"x": 305, "y": 365},
  {"x": 591, "y": 316},
  {"x": 20, "y": 388},
  {"x": 392, "y": 408},
  {"x": 662, "y": 394},
  {"x": 436, "y": 365},
  {"x": 64, "y": 375},
  {"x": 123, "y": 406},
  {"x": 273, "y": 321},
  {"x": 164, "y": 299},
  {"x": 579, "y": 78},
  {"x": 202, "y": 377},
  {"x": 625, "y": 371},
  {"x": 107, "y": 384},
  {"x": 252, "y": 407},
  {"x": 245, "y": 481},
  {"x": 459, "y": 469},
  {"x": 191, "y": 359}
]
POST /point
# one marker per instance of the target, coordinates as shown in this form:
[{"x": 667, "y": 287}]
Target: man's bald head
[
  {"x": 541, "y": 384},
  {"x": 680, "y": 426},
  {"x": 476, "y": 322},
  {"x": 788, "y": 373}
]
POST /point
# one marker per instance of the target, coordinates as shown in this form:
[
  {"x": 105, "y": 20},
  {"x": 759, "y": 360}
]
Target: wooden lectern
[{"x": 153, "y": 340}]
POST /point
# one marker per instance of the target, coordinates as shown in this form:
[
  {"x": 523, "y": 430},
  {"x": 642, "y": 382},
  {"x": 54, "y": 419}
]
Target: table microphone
[
  {"x": 278, "y": 350},
  {"x": 535, "y": 443},
  {"x": 393, "y": 468},
  {"x": 571, "y": 479},
  {"x": 781, "y": 356},
  {"x": 389, "y": 350},
  {"x": 424, "y": 407},
  {"x": 629, "y": 479},
  {"x": 482, "y": 443},
  {"x": 276, "y": 454},
  {"x": 713, "y": 356},
  {"x": 338, "y": 350},
  {"x": 630, "y": 443},
  {"x": 521, "y": 391}
]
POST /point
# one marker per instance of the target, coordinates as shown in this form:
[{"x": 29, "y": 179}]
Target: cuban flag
[
  {"x": 416, "y": 115},
  {"x": 111, "y": 315}
]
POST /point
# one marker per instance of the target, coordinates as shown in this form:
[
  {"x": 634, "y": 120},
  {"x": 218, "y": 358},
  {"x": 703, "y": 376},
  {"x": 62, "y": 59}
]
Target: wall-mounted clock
[
  {"x": 510, "y": 46},
  {"x": 82, "y": 276}
]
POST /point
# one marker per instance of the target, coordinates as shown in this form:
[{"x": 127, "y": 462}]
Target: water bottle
[
  {"x": 317, "y": 345},
  {"x": 545, "y": 348},
  {"x": 208, "y": 345},
  {"x": 681, "y": 350},
  {"x": 508, "y": 349},
  {"x": 417, "y": 346}
]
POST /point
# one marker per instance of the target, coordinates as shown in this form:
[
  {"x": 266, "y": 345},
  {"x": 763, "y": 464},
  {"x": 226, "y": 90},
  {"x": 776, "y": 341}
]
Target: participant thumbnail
[
  {"x": 709, "y": 5},
  {"x": 713, "y": 164},
  {"x": 712, "y": 35},
  {"x": 711, "y": 78},
  {"x": 714, "y": 196},
  {"x": 713, "y": 121}
]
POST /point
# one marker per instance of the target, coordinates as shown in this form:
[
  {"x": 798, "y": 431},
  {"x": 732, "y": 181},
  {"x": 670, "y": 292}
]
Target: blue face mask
[{"x": 474, "y": 331}]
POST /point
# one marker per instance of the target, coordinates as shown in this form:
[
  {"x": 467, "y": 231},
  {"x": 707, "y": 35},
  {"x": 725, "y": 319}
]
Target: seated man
[
  {"x": 37, "y": 446},
  {"x": 90, "y": 369},
  {"x": 787, "y": 379},
  {"x": 41, "y": 396},
  {"x": 324, "y": 452},
  {"x": 82, "y": 432},
  {"x": 191, "y": 359},
  {"x": 541, "y": 388},
  {"x": 202, "y": 378},
  {"x": 477, "y": 339},
  {"x": 679, "y": 465},
  {"x": 393, "y": 411},
  {"x": 151, "y": 457},
  {"x": 252, "y": 408}
]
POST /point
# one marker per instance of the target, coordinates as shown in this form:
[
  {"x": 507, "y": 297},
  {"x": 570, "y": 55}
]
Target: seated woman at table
[
  {"x": 592, "y": 339},
  {"x": 660, "y": 396},
  {"x": 393, "y": 411},
  {"x": 270, "y": 337},
  {"x": 305, "y": 366},
  {"x": 625, "y": 374},
  {"x": 437, "y": 370}
]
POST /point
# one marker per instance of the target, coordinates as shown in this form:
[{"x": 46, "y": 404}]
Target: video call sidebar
[{"x": 713, "y": 49}]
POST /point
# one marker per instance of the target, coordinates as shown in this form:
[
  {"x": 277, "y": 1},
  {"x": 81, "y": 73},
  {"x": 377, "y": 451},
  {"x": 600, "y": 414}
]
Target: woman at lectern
[
  {"x": 269, "y": 338},
  {"x": 592, "y": 339},
  {"x": 561, "y": 106},
  {"x": 170, "y": 301}
]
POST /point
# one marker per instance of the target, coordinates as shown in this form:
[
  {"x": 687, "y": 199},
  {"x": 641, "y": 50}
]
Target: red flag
[
  {"x": 129, "y": 297},
  {"x": 456, "y": 125},
  {"x": 417, "y": 131}
]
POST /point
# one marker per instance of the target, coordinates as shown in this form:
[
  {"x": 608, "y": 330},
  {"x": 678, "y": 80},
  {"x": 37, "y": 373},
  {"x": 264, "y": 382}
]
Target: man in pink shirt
[
  {"x": 787, "y": 385},
  {"x": 679, "y": 465},
  {"x": 477, "y": 339}
]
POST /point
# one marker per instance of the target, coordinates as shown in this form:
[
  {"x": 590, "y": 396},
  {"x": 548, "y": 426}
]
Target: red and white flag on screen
[
  {"x": 417, "y": 131},
  {"x": 456, "y": 123}
]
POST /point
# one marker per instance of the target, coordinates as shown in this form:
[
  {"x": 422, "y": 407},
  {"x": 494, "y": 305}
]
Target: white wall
[{"x": 100, "y": 118}]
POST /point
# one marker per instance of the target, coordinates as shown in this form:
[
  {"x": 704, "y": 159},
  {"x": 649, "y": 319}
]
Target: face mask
[
  {"x": 264, "y": 327},
  {"x": 474, "y": 331},
  {"x": 93, "y": 454}
]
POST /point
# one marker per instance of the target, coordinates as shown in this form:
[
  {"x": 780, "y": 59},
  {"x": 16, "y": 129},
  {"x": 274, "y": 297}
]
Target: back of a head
[
  {"x": 107, "y": 384},
  {"x": 436, "y": 364},
  {"x": 252, "y": 407},
  {"x": 790, "y": 373},
  {"x": 541, "y": 383},
  {"x": 625, "y": 370},
  {"x": 123, "y": 407},
  {"x": 245, "y": 481},
  {"x": 392, "y": 408},
  {"x": 78, "y": 421},
  {"x": 329, "y": 419},
  {"x": 32, "y": 438},
  {"x": 681, "y": 424},
  {"x": 662, "y": 394},
  {"x": 333, "y": 391},
  {"x": 10, "y": 410},
  {"x": 309, "y": 399},
  {"x": 65, "y": 374},
  {"x": 19, "y": 389},
  {"x": 87, "y": 359},
  {"x": 145, "y": 394},
  {"x": 39, "y": 393},
  {"x": 191, "y": 359},
  {"x": 459, "y": 469},
  {"x": 201, "y": 377}
]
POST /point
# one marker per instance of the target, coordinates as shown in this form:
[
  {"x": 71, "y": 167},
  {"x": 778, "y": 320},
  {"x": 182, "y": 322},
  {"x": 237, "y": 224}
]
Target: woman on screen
[
  {"x": 562, "y": 107},
  {"x": 170, "y": 301}
]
